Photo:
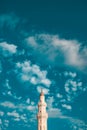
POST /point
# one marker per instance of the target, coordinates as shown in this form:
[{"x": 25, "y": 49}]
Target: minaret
[{"x": 42, "y": 114}]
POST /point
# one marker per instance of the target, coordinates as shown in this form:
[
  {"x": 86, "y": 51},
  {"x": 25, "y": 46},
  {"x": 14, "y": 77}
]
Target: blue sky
[{"x": 43, "y": 44}]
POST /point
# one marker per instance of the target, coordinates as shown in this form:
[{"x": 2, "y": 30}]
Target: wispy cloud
[
  {"x": 67, "y": 106},
  {"x": 13, "y": 113},
  {"x": 7, "y": 104},
  {"x": 19, "y": 112},
  {"x": 53, "y": 112},
  {"x": 4, "y": 124},
  {"x": 9, "y": 21},
  {"x": 31, "y": 73},
  {"x": 23, "y": 106},
  {"x": 76, "y": 123},
  {"x": 70, "y": 74},
  {"x": 57, "y": 50},
  {"x": 7, "y": 49},
  {"x": 1, "y": 113},
  {"x": 73, "y": 88},
  {"x": 8, "y": 91}
]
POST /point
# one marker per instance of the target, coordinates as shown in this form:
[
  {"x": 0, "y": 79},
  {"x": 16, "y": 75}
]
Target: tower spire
[
  {"x": 42, "y": 114},
  {"x": 41, "y": 90},
  {"x": 42, "y": 93}
]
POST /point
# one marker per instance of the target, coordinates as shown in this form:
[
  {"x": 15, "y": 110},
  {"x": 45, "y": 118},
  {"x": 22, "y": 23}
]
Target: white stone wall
[{"x": 42, "y": 114}]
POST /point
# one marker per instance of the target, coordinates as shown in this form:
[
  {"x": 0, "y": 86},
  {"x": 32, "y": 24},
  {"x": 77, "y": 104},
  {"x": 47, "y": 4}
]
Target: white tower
[{"x": 42, "y": 114}]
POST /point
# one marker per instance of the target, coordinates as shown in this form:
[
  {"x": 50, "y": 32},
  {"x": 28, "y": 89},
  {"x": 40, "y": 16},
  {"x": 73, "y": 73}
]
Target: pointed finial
[
  {"x": 41, "y": 90},
  {"x": 42, "y": 93}
]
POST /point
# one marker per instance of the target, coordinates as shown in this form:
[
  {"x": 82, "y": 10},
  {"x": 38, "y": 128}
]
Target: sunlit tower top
[{"x": 42, "y": 114}]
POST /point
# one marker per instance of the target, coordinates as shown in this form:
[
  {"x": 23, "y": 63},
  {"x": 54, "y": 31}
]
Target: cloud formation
[
  {"x": 31, "y": 73},
  {"x": 57, "y": 50},
  {"x": 7, "y": 49},
  {"x": 53, "y": 112},
  {"x": 73, "y": 88},
  {"x": 21, "y": 113}
]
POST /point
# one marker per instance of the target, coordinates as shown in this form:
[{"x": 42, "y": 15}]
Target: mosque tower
[{"x": 42, "y": 114}]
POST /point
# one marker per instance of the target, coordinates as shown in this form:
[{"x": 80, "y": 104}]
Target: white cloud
[
  {"x": 24, "y": 118},
  {"x": 32, "y": 73},
  {"x": 57, "y": 113},
  {"x": 47, "y": 82},
  {"x": 70, "y": 74},
  {"x": 67, "y": 106},
  {"x": 1, "y": 113},
  {"x": 28, "y": 101},
  {"x": 73, "y": 88},
  {"x": 59, "y": 95},
  {"x": 57, "y": 50},
  {"x": 50, "y": 101},
  {"x": 14, "y": 114},
  {"x": 20, "y": 107},
  {"x": 76, "y": 123},
  {"x": 17, "y": 112},
  {"x": 7, "y": 84},
  {"x": 72, "y": 85},
  {"x": 7, "y": 104},
  {"x": 31, "y": 108},
  {"x": 31, "y": 41},
  {"x": 52, "y": 111},
  {"x": 7, "y": 49},
  {"x": 4, "y": 124},
  {"x": 9, "y": 92}
]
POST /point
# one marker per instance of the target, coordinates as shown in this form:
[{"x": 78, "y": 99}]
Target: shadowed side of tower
[{"x": 42, "y": 114}]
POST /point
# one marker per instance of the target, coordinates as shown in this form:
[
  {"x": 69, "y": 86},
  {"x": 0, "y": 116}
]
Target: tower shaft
[{"x": 42, "y": 114}]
